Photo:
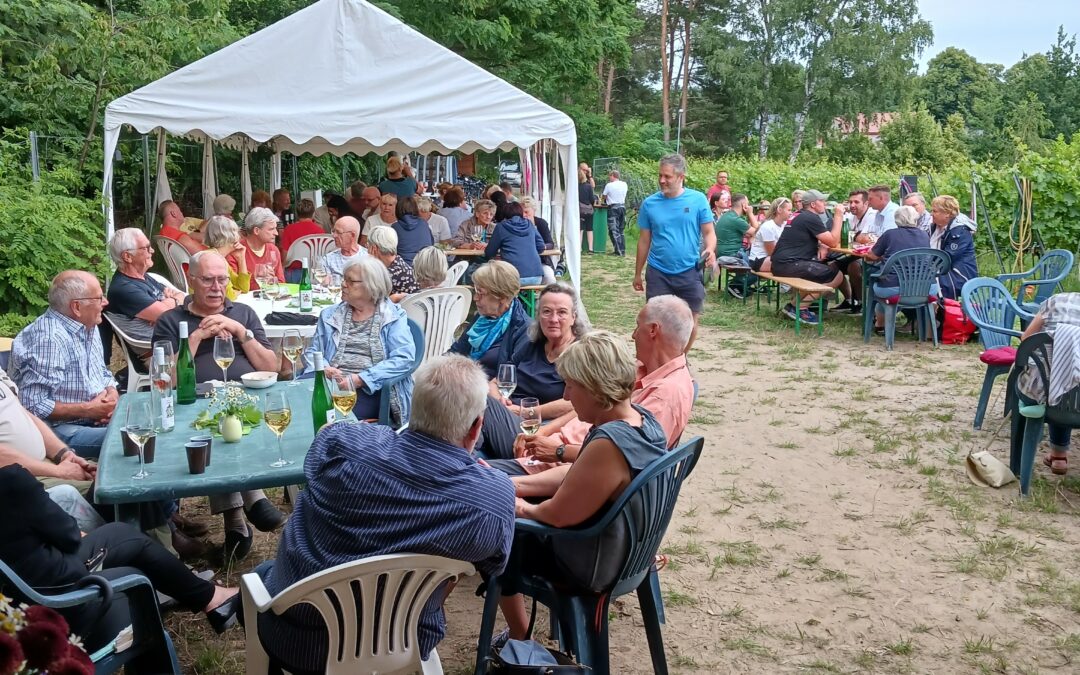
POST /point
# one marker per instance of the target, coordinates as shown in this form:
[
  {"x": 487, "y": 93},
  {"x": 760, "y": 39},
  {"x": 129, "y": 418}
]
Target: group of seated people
[{"x": 795, "y": 236}]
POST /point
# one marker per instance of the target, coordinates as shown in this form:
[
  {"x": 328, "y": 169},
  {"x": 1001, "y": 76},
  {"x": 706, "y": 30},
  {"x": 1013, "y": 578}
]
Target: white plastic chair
[
  {"x": 407, "y": 581},
  {"x": 454, "y": 274},
  {"x": 438, "y": 312},
  {"x": 132, "y": 348},
  {"x": 176, "y": 256},
  {"x": 163, "y": 281},
  {"x": 313, "y": 247}
]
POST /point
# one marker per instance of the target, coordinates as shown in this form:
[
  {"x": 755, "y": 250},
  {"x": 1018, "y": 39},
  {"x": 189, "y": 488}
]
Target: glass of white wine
[
  {"x": 333, "y": 284},
  {"x": 224, "y": 354},
  {"x": 530, "y": 416},
  {"x": 507, "y": 380},
  {"x": 140, "y": 429},
  {"x": 292, "y": 345},
  {"x": 278, "y": 415},
  {"x": 271, "y": 290},
  {"x": 343, "y": 393}
]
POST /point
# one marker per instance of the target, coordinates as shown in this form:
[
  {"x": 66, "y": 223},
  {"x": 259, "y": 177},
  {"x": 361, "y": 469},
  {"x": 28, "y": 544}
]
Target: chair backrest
[
  {"x": 348, "y": 596},
  {"x": 992, "y": 308},
  {"x": 438, "y": 312},
  {"x": 454, "y": 274},
  {"x": 312, "y": 246},
  {"x": 163, "y": 281},
  {"x": 176, "y": 257},
  {"x": 1037, "y": 351},
  {"x": 1051, "y": 269},
  {"x": 5, "y": 352},
  {"x": 916, "y": 271}
]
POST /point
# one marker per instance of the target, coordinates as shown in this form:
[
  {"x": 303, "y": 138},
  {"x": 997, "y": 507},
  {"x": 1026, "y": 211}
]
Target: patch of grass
[
  {"x": 691, "y": 548},
  {"x": 911, "y": 458},
  {"x": 737, "y": 554},
  {"x": 847, "y": 452},
  {"x": 784, "y": 573},
  {"x": 907, "y": 525},
  {"x": 781, "y": 524},
  {"x": 858, "y": 592},
  {"x": 677, "y": 599},
  {"x": 732, "y": 613},
  {"x": 748, "y": 645},
  {"x": 828, "y": 574},
  {"x": 928, "y": 470},
  {"x": 1069, "y": 644},
  {"x": 984, "y": 645},
  {"x": 788, "y": 445},
  {"x": 821, "y": 665},
  {"x": 809, "y": 559},
  {"x": 902, "y": 647}
]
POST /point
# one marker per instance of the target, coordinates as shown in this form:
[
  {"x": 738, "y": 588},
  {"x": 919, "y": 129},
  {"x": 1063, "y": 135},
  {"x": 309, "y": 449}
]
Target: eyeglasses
[
  {"x": 560, "y": 313},
  {"x": 148, "y": 248},
  {"x": 349, "y": 282},
  {"x": 213, "y": 281},
  {"x": 96, "y": 299}
]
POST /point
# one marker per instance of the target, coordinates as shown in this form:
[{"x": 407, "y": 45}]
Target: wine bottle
[
  {"x": 185, "y": 369},
  {"x": 305, "y": 286},
  {"x": 322, "y": 407},
  {"x": 161, "y": 391},
  {"x": 845, "y": 235}
]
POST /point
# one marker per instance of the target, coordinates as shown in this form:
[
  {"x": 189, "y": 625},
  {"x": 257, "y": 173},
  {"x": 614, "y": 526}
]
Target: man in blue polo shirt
[{"x": 676, "y": 231}]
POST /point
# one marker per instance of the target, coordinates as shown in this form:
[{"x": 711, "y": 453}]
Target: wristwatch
[
  {"x": 559, "y": 452},
  {"x": 248, "y": 335}
]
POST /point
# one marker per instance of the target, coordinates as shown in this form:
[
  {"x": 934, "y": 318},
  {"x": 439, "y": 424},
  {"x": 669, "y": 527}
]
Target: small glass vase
[{"x": 231, "y": 428}]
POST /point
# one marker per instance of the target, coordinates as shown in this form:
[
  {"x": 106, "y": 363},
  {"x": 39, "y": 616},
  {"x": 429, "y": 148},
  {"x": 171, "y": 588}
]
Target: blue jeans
[
  {"x": 531, "y": 281},
  {"x": 85, "y": 440}
]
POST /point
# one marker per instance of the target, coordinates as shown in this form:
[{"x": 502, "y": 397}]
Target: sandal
[
  {"x": 1059, "y": 464},
  {"x": 660, "y": 562}
]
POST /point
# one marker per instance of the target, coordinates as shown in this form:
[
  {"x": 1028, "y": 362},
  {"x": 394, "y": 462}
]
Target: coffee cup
[
  {"x": 131, "y": 448},
  {"x": 209, "y": 440},
  {"x": 196, "y": 456}
]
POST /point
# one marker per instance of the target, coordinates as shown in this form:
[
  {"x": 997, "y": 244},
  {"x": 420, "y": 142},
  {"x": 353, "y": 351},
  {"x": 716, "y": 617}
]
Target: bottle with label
[
  {"x": 305, "y": 286},
  {"x": 322, "y": 406},
  {"x": 185, "y": 369},
  {"x": 161, "y": 391}
]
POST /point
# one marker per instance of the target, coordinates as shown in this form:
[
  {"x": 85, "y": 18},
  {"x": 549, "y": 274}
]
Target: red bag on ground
[{"x": 956, "y": 328}]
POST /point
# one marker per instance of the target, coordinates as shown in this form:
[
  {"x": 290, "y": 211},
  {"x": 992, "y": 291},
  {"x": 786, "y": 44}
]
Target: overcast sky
[{"x": 998, "y": 31}]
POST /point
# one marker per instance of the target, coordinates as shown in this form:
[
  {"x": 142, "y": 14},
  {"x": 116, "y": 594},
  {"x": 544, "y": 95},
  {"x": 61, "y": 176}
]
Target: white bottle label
[
  {"x": 168, "y": 420},
  {"x": 305, "y": 300},
  {"x": 330, "y": 417}
]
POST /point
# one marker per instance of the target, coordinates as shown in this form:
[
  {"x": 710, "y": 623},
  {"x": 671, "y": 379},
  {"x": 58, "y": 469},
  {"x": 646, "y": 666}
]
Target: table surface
[
  {"x": 244, "y": 465},
  {"x": 262, "y": 308},
  {"x": 850, "y": 251}
]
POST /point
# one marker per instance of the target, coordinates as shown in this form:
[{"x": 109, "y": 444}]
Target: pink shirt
[{"x": 271, "y": 255}]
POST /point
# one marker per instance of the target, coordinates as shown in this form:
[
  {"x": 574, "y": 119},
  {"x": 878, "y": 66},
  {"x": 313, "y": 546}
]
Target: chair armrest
[
  {"x": 128, "y": 582},
  {"x": 1011, "y": 277},
  {"x": 255, "y": 590},
  {"x": 536, "y": 527}
]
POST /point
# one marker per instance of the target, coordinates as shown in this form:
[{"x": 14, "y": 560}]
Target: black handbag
[{"x": 529, "y": 657}]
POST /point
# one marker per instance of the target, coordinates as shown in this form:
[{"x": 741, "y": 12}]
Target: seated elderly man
[
  {"x": 372, "y": 492},
  {"x": 172, "y": 220},
  {"x": 664, "y": 387},
  {"x": 209, "y": 314},
  {"x": 136, "y": 300},
  {"x": 440, "y": 227},
  {"x": 260, "y": 251},
  {"x": 346, "y": 233},
  {"x": 383, "y": 245},
  {"x": 59, "y": 365}
]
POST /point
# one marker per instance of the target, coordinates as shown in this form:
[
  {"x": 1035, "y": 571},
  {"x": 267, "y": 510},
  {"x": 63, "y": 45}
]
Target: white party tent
[{"x": 343, "y": 76}]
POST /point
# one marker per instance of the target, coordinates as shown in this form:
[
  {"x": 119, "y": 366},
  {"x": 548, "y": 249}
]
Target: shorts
[
  {"x": 685, "y": 285},
  {"x": 811, "y": 270},
  {"x": 756, "y": 263}
]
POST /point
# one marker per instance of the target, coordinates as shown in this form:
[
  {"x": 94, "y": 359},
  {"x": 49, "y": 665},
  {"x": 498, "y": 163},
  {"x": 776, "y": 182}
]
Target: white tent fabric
[
  {"x": 162, "y": 191},
  {"x": 371, "y": 84},
  {"x": 209, "y": 179},
  {"x": 245, "y": 178}
]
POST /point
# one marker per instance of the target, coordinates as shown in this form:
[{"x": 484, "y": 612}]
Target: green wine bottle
[
  {"x": 322, "y": 407},
  {"x": 845, "y": 235},
  {"x": 185, "y": 369},
  {"x": 305, "y": 286}
]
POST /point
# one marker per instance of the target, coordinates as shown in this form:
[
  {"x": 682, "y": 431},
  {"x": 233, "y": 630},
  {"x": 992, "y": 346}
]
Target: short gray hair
[
  {"x": 221, "y": 231},
  {"x": 384, "y": 238},
  {"x": 449, "y": 394},
  {"x": 676, "y": 161},
  {"x": 580, "y": 326},
  {"x": 375, "y": 275},
  {"x": 195, "y": 264},
  {"x": 123, "y": 240},
  {"x": 917, "y": 196},
  {"x": 257, "y": 216},
  {"x": 65, "y": 288},
  {"x": 423, "y": 204},
  {"x": 674, "y": 317},
  {"x": 906, "y": 216},
  {"x": 224, "y": 205},
  {"x": 429, "y": 267}
]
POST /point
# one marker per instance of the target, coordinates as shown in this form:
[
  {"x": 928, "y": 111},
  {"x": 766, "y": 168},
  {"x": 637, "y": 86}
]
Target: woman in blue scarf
[{"x": 501, "y": 322}]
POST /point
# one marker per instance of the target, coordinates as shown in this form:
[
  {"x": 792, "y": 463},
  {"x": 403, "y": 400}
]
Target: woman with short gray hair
[
  {"x": 366, "y": 338},
  {"x": 905, "y": 235},
  {"x": 429, "y": 268},
  {"x": 223, "y": 235}
]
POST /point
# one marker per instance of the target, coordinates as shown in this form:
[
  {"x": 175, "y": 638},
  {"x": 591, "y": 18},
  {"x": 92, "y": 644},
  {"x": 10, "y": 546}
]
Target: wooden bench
[
  {"x": 527, "y": 294},
  {"x": 799, "y": 287},
  {"x": 733, "y": 268}
]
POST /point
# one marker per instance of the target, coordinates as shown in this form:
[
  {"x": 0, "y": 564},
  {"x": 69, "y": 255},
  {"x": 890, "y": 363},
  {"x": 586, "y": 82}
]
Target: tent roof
[{"x": 341, "y": 76}]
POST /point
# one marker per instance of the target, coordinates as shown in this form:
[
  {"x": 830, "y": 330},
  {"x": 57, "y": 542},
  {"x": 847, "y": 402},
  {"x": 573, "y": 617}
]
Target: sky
[{"x": 997, "y": 31}]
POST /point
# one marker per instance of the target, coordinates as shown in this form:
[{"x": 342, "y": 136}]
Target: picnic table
[
  {"x": 244, "y": 465},
  {"x": 867, "y": 285},
  {"x": 262, "y": 306}
]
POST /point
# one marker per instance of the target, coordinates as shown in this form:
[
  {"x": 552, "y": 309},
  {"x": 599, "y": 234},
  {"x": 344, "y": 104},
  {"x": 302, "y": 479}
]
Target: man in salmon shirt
[
  {"x": 664, "y": 387},
  {"x": 171, "y": 220}
]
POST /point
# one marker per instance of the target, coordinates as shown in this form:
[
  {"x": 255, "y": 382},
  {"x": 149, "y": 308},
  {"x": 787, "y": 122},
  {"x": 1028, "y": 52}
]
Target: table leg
[
  {"x": 867, "y": 307},
  {"x": 821, "y": 315},
  {"x": 798, "y": 312}
]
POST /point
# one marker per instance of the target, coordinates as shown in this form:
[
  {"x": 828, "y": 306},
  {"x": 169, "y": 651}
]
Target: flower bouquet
[
  {"x": 37, "y": 640},
  {"x": 230, "y": 413}
]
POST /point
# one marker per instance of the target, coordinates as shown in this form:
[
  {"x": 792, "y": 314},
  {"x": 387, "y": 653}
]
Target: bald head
[
  {"x": 346, "y": 234},
  {"x": 347, "y": 224},
  {"x": 370, "y": 197}
]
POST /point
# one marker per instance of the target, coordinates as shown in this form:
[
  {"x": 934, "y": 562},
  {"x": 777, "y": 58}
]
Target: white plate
[{"x": 260, "y": 379}]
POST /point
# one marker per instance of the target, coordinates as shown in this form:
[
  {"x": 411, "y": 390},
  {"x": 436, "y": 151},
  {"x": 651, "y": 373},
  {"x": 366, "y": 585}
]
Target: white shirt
[
  {"x": 878, "y": 223},
  {"x": 615, "y": 192},
  {"x": 768, "y": 232},
  {"x": 440, "y": 228},
  {"x": 372, "y": 222},
  {"x": 336, "y": 263}
]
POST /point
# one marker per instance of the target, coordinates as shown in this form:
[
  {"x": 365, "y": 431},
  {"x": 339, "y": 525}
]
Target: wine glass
[
  {"x": 530, "y": 416},
  {"x": 278, "y": 415},
  {"x": 319, "y": 274},
  {"x": 271, "y": 290},
  {"x": 333, "y": 284},
  {"x": 265, "y": 275},
  {"x": 292, "y": 345},
  {"x": 140, "y": 429},
  {"x": 507, "y": 380},
  {"x": 224, "y": 354},
  {"x": 343, "y": 392}
]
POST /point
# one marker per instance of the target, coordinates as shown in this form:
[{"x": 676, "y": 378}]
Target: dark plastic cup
[
  {"x": 131, "y": 448},
  {"x": 209, "y": 440},
  {"x": 148, "y": 450},
  {"x": 196, "y": 456}
]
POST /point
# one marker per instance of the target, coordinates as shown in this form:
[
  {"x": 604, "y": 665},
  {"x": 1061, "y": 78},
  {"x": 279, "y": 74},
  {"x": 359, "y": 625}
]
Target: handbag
[
  {"x": 529, "y": 657},
  {"x": 956, "y": 328},
  {"x": 586, "y": 209}
]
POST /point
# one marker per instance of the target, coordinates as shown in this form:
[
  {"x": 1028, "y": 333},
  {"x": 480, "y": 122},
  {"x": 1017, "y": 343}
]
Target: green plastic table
[{"x": 244, "y": 465}]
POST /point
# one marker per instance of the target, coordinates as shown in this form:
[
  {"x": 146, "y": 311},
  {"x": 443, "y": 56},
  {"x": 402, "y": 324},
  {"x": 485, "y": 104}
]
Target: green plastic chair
[
  {"x": 1045, "y": 277},
  {"x": 916, "y": 269}
]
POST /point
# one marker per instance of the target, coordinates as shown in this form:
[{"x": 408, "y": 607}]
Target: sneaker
[
  {"x": 784, "y": 288},
  {"x": 808, "y": 317},
  {"x": 789, "y": 311},
  {"x": 735, "y": 291},
  {"x": 842, "y": 307},
  {"x": 856, "y": 308}
]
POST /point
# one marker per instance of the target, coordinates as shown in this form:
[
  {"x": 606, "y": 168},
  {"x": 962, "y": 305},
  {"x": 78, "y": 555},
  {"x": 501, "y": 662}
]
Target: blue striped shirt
[
  {"x": 371, "y": 492},
  {"x": 56, "y": 359}
]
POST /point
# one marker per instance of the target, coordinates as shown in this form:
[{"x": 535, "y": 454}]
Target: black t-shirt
[
  {"x": 168, "y": 328},
  {"x": 129, "y": 296},
  {"x": 799, "y": 240}
]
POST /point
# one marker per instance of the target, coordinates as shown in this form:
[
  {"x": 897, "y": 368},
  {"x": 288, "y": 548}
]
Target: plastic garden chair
[
  {"x": 917, "y": 270},
  {"x": 138, "y": 374},
  {"x": 152, "y": 648},
  {"x": 1029, "y": 419},
  {"x": 1044, "y": 278},
  {"x": 645, "y": 507},
  {"x": 176, "y": 259},
  {"x": 439, "y": 312},
  {"x": 991, "y": 307},
  {"x": 384, "y": 393},
  {"x": 454, "y": 274},
  {"x": 347, "y": 597},
  {"x": 312, "y": 246}
]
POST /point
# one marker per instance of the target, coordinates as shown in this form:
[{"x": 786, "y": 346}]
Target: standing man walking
[
  {"x": 615, "y": 198},
  {"x": 676, "y": 236}
]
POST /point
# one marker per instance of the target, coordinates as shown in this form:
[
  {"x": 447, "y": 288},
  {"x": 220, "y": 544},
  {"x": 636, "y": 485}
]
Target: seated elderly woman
[
  {"x": 953, "y": 232},
  {"x": 383, "y": 245},
  {"x": 474, "y": 231},
  {"x": 599, "y": 372},
  {"x": 366, "y": 337},
  {"x": 905, "y": 235},
  {"x": 517, "y": 241},
  {"x": 556, "y": 327},
  {"x": 223, "y": 236},
  {"x": 429, "y": 268},
  {"x": 501, "y": 321}
]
